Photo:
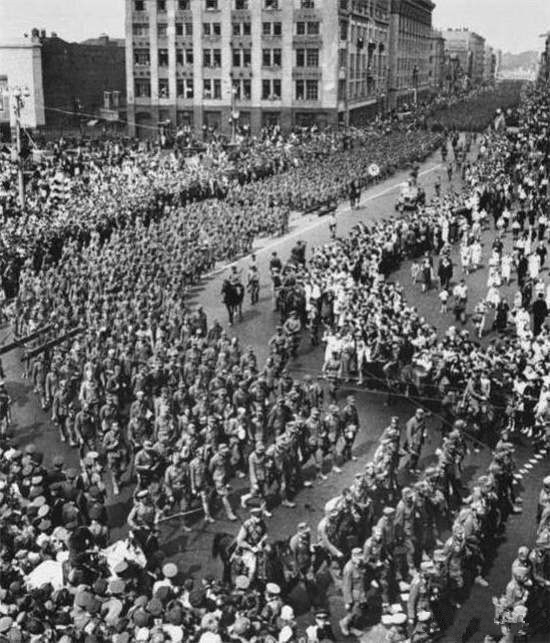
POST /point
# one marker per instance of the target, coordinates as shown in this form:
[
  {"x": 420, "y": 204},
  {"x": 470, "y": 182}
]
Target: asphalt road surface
[{"x": 192, "y": 552}]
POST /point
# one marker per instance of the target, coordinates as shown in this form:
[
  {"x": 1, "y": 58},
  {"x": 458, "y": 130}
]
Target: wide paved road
[{"x": 192, "y": 551}]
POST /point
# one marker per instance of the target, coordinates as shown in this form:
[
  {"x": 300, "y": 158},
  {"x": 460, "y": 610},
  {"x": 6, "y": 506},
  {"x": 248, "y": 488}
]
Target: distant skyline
[{"x": 510, "y": 25}]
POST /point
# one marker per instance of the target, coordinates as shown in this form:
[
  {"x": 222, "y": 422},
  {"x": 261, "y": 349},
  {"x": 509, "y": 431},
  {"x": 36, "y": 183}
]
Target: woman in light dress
[
  {"x": 506, "y": 268},
  {"x": 477, "y": 254},
  {"x": 465, "y": 257}
]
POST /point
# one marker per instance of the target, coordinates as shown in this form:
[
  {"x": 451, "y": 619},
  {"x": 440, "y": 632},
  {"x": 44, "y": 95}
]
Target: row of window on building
[
  {"x": 304, "y": 89},
  {"x": 212, "y": 58},
  {"x": 214, "y": 5},
  {"x": 238, "y": 29}
]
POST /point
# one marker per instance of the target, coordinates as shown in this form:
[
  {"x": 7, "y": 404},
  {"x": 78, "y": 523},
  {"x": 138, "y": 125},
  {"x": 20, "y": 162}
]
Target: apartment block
[{"x": 206, "y": 63}]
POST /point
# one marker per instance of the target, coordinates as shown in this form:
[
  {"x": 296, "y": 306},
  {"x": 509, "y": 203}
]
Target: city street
[{"x": 192, "y": 552}]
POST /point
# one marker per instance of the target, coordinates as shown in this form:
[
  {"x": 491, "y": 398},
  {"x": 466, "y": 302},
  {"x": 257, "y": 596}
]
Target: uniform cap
[
  {"x": 423, "y": 616},
  {"x": 242, "y": 582},
  {"x": 356, "y": 551},
  {"x": 272, "y": 588},
  {"x": 388, "y": 511},
  {"x": 117, "y": 586},
  {"x": 399, "y": 619},
  {"x": 5, "y": 624},
  {"x": 170, "y": 570}
]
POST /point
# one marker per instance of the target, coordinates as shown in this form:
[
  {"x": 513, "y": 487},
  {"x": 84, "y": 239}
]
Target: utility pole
[
  {"x": 235, "y": 114},
  {"x": 18, "y": 104}
]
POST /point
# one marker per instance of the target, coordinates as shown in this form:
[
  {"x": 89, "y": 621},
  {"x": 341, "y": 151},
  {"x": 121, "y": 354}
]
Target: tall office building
[
  {"x": 469, "y": 49},
  {"x": 410, "y": 51},
  {"x": 206, "y": 63}
]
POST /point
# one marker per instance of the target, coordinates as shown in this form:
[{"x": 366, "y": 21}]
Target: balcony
[
  {"x": 241, "y": 15},
  {"x": 307, "y": 39},
  {"x": 312, "y": 73}
]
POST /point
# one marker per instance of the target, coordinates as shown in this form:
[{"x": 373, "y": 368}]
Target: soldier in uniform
[
  {"x": 60, "y": 411},
  {"x": 113, "y": 449},
  {"x": 331, "y": 370},
  {"x": 258, "y": 476},
  {"x": 406, "y": 534},
  {"x": 219, "y": 470},
  {"x": 378, "y": 564},
  {"x": 198, "y": 478},
  {"x": 177, "y": 486},
  {"x": 544, "y": 498},
  {"x": 454, "y": 551},
  {"x": 354, "y": 593},
  {"x": 148, "y": 465},
  {"x": 327, "y": 535},
  {"x": 414, "y": 440},
  {"x": 302, "y": 549},
  {"x": 85, "y": 429},
  {"x": 142, "y": 521},
  {"x": 252, "y": 538},
  {"x": 420, "y": 595},
  {"x": 332, "y": 428}
]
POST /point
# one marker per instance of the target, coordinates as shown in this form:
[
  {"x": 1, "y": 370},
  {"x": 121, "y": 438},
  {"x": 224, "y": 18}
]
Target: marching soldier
[
  {"x": 148, "y": 464},
  {"x": 177, "y": 486},
  {"x": 219, "y": 470},
  {"x": 301, "y": 547},
  {"x": 376, "y": 560},
  {"x": 406, "y": 530},
  {"x": 60, "y": 412},
  {"x": 331, "y": 371},
  {"x": 354, "y": 593},
  {"x": 257, "y": 466},
  {"x": 112, "y": 447},
  {"x": 414, "y": 440},
  {"x": 142, "y": 521},
  {"x": 198, "y": 478}
]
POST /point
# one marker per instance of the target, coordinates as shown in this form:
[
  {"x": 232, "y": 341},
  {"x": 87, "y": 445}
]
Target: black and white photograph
[{"x": 274, "y": 321}]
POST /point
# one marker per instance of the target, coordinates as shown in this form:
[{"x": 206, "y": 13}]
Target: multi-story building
[
  {"x": 87, "y": 78},
  {"x": 469, "y": 48},
  {"x": 490, "y": 66},
  {"x": 544, "y": 69},
  {"x": 215, "y": 63},
  {"x": 363, "y": 59},
  {"x": 21, "y": 68},
  {"x": 66, "y": 83},
  {"x": 437, "y": 61},
  {"x": 410, "y": 50}
]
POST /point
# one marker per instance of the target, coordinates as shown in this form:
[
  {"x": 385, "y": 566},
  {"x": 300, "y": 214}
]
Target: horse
[
  {"x": 275, "y": 565},
  {"x": 233, "y": 295}
]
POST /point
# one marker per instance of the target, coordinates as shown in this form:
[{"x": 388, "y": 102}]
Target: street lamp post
[
  {"x": 18, "y": 104},
  {"x": 234, "y": 115}
]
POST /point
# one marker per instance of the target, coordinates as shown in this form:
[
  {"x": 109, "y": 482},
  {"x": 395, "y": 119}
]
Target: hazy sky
[{"x": 511, "y": 25}]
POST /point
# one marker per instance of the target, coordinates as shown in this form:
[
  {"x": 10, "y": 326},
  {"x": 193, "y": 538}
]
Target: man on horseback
[{"x": 252, "y": 538}]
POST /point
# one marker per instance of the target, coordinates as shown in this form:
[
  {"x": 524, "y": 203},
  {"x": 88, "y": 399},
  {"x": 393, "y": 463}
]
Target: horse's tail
[
  {"x": 221, "y": 545},
  {"x": 217, "y": 549}
]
